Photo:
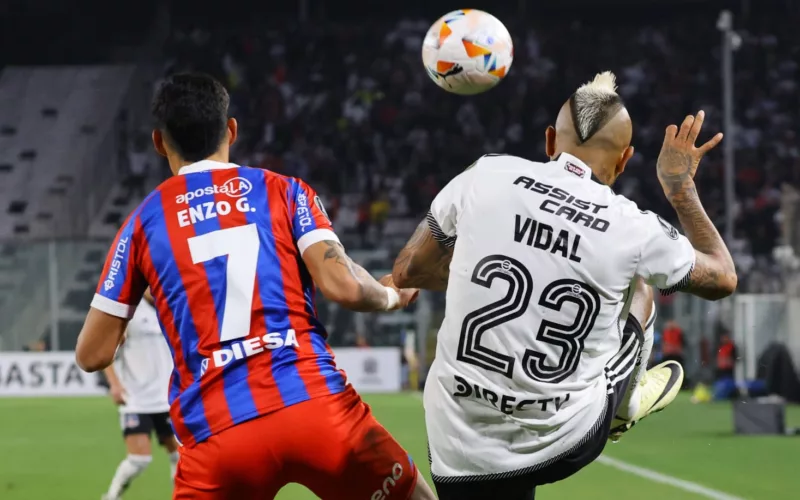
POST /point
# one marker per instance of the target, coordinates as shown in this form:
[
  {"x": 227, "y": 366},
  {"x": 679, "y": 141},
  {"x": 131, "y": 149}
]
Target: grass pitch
[{"x": 69, "y": 448}]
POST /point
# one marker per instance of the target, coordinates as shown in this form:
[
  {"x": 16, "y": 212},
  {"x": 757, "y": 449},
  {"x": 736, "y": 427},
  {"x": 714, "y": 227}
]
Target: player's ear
[
  {"x": 233, "y": 131},
  {"x": 626, "y": 155},
  {"x": 550, "y": 141},
  {"x": 158, "y": 142}
]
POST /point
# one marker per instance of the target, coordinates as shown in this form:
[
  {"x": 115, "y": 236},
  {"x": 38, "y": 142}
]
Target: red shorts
[{"x": 332, "y": 445}]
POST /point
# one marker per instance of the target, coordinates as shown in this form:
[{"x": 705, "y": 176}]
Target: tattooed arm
[
  {"x": 713, "y": 275},
  {"x": 348, "y": 284},
  {"x": 424, "y": 262}
]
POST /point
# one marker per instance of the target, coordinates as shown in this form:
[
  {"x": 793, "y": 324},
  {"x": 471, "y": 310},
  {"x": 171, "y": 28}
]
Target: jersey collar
[
  {"x": 204, "y": 166},
  {"x": 576, "y": 166}
]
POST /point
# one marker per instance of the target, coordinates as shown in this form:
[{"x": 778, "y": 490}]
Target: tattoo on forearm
[
  {"x": 424, "y": 262},
  {"x": 372, "y": 294},
  {"x": 694, "y": 220},
  {"x": 704, "y": 237}
]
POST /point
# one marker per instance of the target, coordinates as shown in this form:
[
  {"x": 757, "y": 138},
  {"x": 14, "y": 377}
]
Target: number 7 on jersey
[{"x": 241, "y": 245}]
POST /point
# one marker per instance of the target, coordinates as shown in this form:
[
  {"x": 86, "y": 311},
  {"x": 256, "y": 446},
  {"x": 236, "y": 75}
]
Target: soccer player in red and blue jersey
[{"x": 232, "y": 255}]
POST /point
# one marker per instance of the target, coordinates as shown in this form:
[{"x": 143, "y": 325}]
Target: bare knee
[
  {"x": 169, "y": 443},
  {"x": 138, "y": 444}
]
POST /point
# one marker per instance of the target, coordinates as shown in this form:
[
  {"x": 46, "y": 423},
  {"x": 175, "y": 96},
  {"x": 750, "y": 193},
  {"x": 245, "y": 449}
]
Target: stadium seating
[{"x": 53, "y": 125}]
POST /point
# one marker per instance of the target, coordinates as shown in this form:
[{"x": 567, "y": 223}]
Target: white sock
[
  {"x": 173, "y": 463},
  {"x": 631, "y": 400},
  {"x": 128, "y": 469}
]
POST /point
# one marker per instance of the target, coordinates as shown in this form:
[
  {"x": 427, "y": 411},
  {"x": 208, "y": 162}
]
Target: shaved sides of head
[
  {"x": 594, "y": 104},
  {"x": 594, "y": 126}
]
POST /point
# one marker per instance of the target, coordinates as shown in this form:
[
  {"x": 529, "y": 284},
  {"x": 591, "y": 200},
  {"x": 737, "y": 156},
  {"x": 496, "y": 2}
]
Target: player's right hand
[
  {"x": 117, "y": 394},
  {"x": 408, "y": 296},
  {"x": 679, "y": 158}
]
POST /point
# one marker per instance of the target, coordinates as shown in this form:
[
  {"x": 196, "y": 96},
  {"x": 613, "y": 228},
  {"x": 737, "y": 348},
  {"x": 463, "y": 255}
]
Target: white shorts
[{"x": 468, "y": 438}]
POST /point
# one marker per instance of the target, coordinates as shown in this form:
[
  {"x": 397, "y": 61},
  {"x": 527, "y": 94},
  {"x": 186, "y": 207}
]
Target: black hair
[{"x": 191, "y": 110}]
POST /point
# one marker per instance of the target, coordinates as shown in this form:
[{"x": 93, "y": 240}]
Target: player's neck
[
  {"x": 176, "y": 163},
  {"x": 595, "y": 160}
]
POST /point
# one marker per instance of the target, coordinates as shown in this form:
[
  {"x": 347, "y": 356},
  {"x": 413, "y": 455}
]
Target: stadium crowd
[{"x": 349, "y": 107}]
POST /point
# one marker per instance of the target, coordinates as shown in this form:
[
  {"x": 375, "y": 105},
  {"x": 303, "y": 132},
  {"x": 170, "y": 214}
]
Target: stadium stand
[
  {"x": 350, "y": 110},
  {"x": 54, "y": 121}
]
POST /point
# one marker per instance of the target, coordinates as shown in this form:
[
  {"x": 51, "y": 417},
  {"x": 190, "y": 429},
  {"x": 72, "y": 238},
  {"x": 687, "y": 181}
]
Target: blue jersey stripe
[
  {"x": 215, "y": 268},
  {"x": 327, "y": 367},
  {"x": 175, "y": 381},
  {"x": 302, "y": 219},
  {"x": 118, "y": 278},
  {"x": 273, "y": 298},
  {"x": 234, "y": 375},
  {"x": 155, "y": 230}
]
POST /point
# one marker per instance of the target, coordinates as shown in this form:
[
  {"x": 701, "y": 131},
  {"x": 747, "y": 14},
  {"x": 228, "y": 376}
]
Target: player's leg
[
  {"x": 649, "y": 391},
  {"x": 166, "y": 438},
  {"x": 136, "y": 430},
  {"x": 360, "y": 460},
  {"x": 243, "y": 461}
]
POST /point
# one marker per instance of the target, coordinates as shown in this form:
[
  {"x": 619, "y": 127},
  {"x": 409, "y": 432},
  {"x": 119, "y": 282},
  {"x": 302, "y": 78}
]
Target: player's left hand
[
  {"x": 679, "y": 158},
  {"x": 117, "y": 394}
]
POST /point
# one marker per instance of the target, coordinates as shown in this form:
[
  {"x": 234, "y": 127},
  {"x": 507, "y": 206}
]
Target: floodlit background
[{"x": 335, "y": 92}]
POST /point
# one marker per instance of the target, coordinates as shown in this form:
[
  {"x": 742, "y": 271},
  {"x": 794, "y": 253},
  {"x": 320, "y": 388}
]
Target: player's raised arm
[
  {"x": 424, "y": 262},
  {"x": 337, "y": 276},
  {"x": 120, "y": 289},
  {"x": 713, "y": 275}
]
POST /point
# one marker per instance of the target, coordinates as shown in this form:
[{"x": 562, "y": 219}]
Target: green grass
[{"x": 69, "y": 448}]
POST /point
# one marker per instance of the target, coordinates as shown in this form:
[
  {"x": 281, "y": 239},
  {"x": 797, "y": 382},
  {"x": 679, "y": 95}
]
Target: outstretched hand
[
  {"x": 407, "y": 295},
  {"x": 679, "y": 158}
]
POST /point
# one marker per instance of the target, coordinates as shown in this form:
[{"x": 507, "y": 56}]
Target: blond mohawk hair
[{"x": 594, "y": 103}]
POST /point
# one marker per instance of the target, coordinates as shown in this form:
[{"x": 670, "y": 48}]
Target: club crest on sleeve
[
  {"x": 571, "y": 167},
  {"x": 321, "y": 207},
  {"x": 131, "y": 421},
  {"x": 668, "y": 228}
]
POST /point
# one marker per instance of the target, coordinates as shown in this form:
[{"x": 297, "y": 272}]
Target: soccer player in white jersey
[
  {"x": 541, "y": 262},
  {"x": 138, "y": 382}
]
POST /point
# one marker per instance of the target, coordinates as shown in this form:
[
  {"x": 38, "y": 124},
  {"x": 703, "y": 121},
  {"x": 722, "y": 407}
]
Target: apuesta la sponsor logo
[
  {"x": 116, "y": 263},
  {"x": 388, "y": 483},
  {"x": 249, "y": 347},
  {"x": 235, "y": 188}
]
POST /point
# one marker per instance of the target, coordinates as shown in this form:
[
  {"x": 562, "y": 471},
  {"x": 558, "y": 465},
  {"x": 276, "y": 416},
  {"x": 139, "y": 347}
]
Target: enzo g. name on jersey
[
  {"x": 503, "y": 402},
  {"x": 210, "y": 210},
  {"x": 563, "y": 204}
]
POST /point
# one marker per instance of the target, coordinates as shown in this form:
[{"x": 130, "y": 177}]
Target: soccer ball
[{"x": 467, "y": 51}]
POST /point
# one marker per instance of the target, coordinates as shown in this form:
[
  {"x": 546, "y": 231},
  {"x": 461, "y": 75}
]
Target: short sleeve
[
  {"x": 121, "y": 283},
  {"x": 447, "y": 207},
  {"x": 310, "y": 221},
  {"x": 667, "y": 257}
]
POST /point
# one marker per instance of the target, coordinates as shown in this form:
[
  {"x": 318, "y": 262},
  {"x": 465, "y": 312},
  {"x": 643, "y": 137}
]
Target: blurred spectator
[
  {"x": 672, "y": 342},
  {"x": 139, "y": 166},
  {"x": 726, "y": 358},
  {"x": 348, "y": 106}
]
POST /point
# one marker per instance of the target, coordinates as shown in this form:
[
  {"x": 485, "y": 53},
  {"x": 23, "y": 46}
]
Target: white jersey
[
  {"x": 144, "y": 364},
  {"x": 537, "y": 297}
]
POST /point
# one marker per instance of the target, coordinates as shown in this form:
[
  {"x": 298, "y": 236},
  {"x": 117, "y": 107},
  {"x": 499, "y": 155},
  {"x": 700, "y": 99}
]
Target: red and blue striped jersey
[{"x": 220, "y": 247}]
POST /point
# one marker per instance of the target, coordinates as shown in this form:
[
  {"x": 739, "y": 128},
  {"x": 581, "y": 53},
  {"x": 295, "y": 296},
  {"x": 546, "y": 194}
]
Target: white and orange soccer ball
[{"x": 467, "y": 51}]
